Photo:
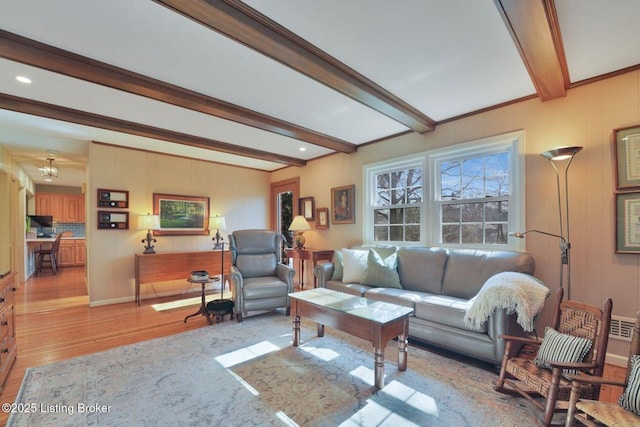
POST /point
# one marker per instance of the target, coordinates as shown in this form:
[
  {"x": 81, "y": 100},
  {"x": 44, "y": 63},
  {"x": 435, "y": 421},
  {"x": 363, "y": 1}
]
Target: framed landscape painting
[
  {"x": 343, "y": 205},
  {"x": 181, "y": 215}
]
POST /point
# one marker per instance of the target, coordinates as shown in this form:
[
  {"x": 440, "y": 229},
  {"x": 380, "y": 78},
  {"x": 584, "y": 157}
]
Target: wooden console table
[
  {"x": 162, "y": 267},
  {"x": 313, "y": 255}
]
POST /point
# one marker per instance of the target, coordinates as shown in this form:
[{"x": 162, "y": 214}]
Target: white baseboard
[{"x": 616, "y": 360}]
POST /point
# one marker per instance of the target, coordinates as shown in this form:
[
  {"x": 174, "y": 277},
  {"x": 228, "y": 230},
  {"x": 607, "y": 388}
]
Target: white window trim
[{"x": 429, "y": 227}]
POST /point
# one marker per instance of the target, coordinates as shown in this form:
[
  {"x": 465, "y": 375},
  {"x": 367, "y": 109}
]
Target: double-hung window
[{"x": 467, "y": 195}]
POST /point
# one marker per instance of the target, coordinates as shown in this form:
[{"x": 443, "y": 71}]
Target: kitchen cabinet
[
  {"x": 72, "y": 252},
  {"x": 65, "y": 208}
]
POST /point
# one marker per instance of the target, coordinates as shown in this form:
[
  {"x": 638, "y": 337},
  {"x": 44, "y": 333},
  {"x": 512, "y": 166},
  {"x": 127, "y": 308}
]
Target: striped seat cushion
[{"x": 630, "y": 399}]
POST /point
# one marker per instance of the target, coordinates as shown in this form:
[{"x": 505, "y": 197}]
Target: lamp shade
[
  {"x": 217, "y": 223},
  {"x": 149, "y": 222},
  {"x": 560, "y": 153},
  {"x": 299, "y": 224}
]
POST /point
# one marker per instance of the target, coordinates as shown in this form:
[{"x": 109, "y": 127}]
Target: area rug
[{"x": 248, "y": 374}]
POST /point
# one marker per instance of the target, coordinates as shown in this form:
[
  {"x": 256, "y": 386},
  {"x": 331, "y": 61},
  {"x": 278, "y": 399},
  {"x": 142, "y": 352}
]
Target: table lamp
[
  {"x": 149, "y": 222},
  {"x": 299, "y": 225},
  {"x": 217, "y": 223}
]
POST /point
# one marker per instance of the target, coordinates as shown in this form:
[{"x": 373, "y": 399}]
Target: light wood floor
[{"x": 54, "y": 322}]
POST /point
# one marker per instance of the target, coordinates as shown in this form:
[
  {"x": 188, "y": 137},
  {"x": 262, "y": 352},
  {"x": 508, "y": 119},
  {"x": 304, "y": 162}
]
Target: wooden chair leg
[
  {"x": 552, "y": 397},
  {"x": 499, "y": 385}
]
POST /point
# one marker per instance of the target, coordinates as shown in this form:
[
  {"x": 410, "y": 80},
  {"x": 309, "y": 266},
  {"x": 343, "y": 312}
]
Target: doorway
[{"x": 284, "y": 206}]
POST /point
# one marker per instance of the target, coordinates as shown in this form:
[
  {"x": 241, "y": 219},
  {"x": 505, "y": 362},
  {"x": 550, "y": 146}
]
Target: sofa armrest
[
  {"x": 323, "y": 273},
  {"x": 286, "y": 273},
  {"x": 236, "y": 285}
]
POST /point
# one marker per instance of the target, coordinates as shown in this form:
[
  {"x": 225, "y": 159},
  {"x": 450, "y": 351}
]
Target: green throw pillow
[
  {"x": 382, "y": 272},
  {"x": 561, "y": 348},
  {"x": 630, "y": 399},
  {"x": 337, "y": 266}
]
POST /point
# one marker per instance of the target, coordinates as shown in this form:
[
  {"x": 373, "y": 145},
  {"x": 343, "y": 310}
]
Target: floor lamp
[{"x": 560, "y": 156}]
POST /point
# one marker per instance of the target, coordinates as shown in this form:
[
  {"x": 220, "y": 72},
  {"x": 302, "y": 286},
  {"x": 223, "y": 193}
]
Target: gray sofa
[{"x": 438, "y": 283}]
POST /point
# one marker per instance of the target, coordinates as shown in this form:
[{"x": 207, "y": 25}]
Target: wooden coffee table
[{"x": 375, "y": 321}]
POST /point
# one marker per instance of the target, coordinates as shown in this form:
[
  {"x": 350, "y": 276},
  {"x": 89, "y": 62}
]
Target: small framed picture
[
  {"x": 627, "y": 149},
  {"x": 307, "y": 208},
  {"x": 343, "y": 205},
  {"x": 628, "y": 223},
  {"x": 322, "y": 218}
]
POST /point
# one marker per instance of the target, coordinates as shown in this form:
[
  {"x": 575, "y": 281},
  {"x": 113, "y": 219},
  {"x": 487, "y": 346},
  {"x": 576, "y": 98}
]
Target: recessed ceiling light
[
  {"x": 303, "y": 149},
  {"x": 23, "y": 79}
]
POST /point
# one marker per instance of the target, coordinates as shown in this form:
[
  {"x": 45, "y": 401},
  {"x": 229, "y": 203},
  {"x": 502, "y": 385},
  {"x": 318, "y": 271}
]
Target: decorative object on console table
[
  {"x": 217, "y": 223},
  {"x": 108, "y": 220},
  {"x": 343, "y": 205},
  {"x": 113, "y": 198},
  {"x": 322, "y": 218},
  {"x": 299, "y": 225},
  {"x": 181, "y": 215},
  {"x": 148, "y": 222},
  {"x": 221, "y": 306},
  {"x": 307, "y": 208}
]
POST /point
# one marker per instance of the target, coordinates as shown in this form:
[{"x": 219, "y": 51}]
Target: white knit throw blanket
[{"x": 516, "y": 292}]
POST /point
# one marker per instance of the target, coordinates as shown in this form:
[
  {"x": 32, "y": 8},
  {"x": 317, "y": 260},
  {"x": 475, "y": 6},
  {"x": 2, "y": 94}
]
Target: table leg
[
  {"x": 402, "y": 352},
  {"x": 379, "y": 367},
  {"x": 320, "y": 330},
  {"x": 203, "y": 308},
  {"x": 296, "y": 331}
]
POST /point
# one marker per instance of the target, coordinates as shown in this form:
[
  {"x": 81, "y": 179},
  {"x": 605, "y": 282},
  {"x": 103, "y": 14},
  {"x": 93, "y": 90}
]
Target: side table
[
  {"x": 203, "y": 307},
  {"x": 313, "y": 255}
]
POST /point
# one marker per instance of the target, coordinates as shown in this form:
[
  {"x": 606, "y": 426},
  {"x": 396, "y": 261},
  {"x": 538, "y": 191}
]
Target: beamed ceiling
[{"x": 266, "y": 84}]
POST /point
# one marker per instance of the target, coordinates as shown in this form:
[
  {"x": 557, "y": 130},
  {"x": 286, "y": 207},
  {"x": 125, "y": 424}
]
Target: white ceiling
[{"x": 442, "y": 58}]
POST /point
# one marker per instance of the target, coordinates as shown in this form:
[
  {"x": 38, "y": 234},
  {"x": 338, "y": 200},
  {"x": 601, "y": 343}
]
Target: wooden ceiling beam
[
  {"x": 238, "y": 21},
  {"x": 34, "y": 53},
  {"x": 56, "y": 112},
  {"x": 533, "y": 25}
]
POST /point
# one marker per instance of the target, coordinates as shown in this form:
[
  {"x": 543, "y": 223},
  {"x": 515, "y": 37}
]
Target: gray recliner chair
[{"x": 258, "y": 280}]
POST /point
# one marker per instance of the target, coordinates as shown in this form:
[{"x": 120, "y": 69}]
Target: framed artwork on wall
[
  {"x": 343, "y": 205},
  {"x": 307, "y": 208},
  {"x": 322, "y": 218},
  {"x": 628, "y": 223},
  {"x": 181, "y": 215},
  {"x": 627, "y": 149}
]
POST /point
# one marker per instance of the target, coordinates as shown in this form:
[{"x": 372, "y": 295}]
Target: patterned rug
[{"x": 248, "y": 374}]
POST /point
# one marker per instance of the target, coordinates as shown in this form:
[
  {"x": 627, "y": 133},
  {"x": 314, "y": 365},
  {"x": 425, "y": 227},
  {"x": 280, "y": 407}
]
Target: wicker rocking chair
[
  {"x": 578, "y": 341},
  {"x": 595, "y": 413}
]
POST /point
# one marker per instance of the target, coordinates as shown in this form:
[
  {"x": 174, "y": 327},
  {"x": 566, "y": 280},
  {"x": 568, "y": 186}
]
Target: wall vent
[{"x": 621, "y": 328}]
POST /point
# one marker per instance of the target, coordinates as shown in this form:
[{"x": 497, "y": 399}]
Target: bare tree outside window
[
  {"x": 397, "y": 205},
  {"x": 474, "y": 199}
]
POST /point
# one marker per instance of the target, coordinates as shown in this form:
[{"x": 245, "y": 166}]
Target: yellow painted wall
[
  {"x": 241, "y": 195},
  {"x": 586, "y": 117}
]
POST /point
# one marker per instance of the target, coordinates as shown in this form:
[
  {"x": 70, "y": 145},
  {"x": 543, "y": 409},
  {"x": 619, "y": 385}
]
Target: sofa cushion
[
  {"x": 381, "y": 272},
  {"x": 354, "y": 265},
  {"x": 449, "y": 311},
  {"x": 467, "y": 269},
  {"x": 422, "y": 268},
  {"x": 347, "y": 288},
  {"x": 395, "y": 296}
]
